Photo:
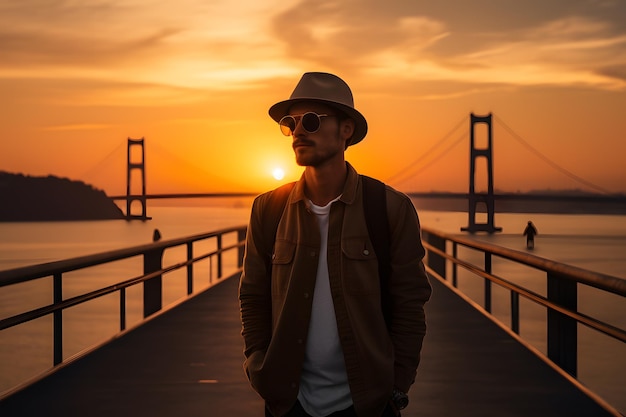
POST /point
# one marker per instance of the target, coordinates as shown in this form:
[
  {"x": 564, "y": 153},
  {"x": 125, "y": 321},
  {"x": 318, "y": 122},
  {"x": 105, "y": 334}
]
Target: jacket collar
[{"x": 349, "y": 189}]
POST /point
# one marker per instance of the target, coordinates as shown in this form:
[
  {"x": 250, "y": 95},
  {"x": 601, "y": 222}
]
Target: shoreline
[{"x": 524, "y": 204}]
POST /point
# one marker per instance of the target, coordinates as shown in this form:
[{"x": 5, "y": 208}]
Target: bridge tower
[
  {"x": 133, "y": 165},
  {"x": 486, "y": 200}
]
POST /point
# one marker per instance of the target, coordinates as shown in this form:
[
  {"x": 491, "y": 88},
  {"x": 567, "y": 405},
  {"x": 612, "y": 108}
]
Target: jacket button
[
  {"x": 366, "y": 252},
  {"x": 306, "y": 295}
]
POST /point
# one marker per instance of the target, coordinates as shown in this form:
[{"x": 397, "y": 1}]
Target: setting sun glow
[{"x": 278, "y": 174}]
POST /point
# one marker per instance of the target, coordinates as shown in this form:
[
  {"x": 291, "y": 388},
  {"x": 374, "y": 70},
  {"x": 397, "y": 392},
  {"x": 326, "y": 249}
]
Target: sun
[{"x": 278, "y": 174}]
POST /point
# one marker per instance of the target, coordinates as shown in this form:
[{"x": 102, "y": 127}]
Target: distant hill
[{"x": 26, "y": 198}]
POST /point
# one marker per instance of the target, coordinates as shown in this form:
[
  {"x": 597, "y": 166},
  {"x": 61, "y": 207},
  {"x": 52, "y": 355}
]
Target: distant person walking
[{"x": 530, "y": 233}]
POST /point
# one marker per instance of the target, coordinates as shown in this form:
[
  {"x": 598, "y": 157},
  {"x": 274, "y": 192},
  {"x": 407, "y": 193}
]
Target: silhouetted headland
[{"x": 26, "y": 198}]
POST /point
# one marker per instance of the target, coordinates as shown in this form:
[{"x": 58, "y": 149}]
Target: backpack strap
[
  {"x": 375, "y": 208},
  {"x": 276, "y": 202}
]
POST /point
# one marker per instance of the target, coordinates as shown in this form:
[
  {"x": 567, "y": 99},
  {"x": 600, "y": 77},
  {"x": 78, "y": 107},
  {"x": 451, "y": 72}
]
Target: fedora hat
[{"x": 328, "y": 89}]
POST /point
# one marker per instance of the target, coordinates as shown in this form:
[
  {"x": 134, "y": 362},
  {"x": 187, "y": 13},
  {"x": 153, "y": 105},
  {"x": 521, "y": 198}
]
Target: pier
[{"x": 186, "y": 359}]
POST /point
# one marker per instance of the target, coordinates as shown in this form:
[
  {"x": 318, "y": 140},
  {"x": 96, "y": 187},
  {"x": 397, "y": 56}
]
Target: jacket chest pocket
[
  {"x": 360, "y": 266},
  {"x": 283, "y": 252},
  {"x": 282, "y": 265}
]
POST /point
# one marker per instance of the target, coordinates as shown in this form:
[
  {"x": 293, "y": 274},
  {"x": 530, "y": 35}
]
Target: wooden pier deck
[{"x": 188, "y": 362}]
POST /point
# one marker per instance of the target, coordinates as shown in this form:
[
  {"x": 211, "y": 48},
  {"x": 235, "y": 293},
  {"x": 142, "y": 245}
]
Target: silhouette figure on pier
[{"x": 530, "y": 233}]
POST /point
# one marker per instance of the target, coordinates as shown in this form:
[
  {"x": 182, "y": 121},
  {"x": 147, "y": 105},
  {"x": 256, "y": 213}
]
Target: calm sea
[{"x": 594, "y": 242}]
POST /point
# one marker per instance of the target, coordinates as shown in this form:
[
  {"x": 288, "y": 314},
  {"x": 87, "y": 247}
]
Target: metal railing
[
  {"x": 442, "y": 261},
  {"x": 152, "y": 278},
  {"x": 562, "y": 290}
]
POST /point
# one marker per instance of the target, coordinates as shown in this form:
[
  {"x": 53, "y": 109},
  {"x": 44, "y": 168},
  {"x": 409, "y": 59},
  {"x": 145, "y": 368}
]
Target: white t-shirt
[{"x": 324, "y": 385}]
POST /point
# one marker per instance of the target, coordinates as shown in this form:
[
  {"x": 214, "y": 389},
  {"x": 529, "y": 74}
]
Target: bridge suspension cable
[
  {"x": 117, "y": 151},
  {"x": 178, "y": 161},
  {"x": 411, "y": 169},
  {"x": 548, "y": 160}
]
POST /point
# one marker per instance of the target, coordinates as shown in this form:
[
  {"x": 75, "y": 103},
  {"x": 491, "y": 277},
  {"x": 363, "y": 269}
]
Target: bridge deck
[{"x": 187, "y": 362}]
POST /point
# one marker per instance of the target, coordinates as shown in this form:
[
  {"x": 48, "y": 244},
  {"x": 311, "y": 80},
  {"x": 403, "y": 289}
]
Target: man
[
  {"x": 530, "y": 231},
  {"x": 316, "y": 340}
]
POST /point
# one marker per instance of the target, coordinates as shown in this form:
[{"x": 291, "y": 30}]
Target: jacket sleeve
[
  {"x": 255, "y": 292},
  {"x": 409, "y": 290}
]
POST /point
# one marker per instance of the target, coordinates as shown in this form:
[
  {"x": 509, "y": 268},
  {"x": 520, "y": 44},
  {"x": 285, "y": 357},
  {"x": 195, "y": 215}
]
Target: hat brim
[{"x": 280, "y": 109}]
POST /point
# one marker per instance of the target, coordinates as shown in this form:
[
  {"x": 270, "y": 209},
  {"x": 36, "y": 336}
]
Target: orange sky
[{"x": 196, "y": 78}]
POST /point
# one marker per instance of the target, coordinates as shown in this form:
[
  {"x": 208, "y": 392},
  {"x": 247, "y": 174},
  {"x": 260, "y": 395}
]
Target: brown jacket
[{"x": 275, "y": 310}]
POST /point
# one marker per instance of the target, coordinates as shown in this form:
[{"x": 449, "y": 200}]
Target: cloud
[
  {"x": 77, "y": 127},
  {"x": 561, "y": 43},
  {"x": 204, "y": 45},
  {"x": 189, "y": 44},
  {"x": 570, "y": 52},
  {"x": 613, "y": 71},
  {"x": 40, "y": 49},
  {"x": 38, "y": 36},
  {"x": 346, "y": 35}
]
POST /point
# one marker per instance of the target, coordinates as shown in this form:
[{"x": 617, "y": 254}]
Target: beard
[
  {"x": 312, "y": 156},
  {"x": 315, "y": 154}
]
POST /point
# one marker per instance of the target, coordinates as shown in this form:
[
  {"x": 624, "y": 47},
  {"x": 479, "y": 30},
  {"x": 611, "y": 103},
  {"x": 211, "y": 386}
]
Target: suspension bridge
[{"x": 480, "y": 198}]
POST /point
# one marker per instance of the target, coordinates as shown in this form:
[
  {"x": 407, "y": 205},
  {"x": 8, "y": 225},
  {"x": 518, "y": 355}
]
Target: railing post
[
  {"x": 219, "y": 256},
  {"x": 488, "y": 282},
  {"x": 515, "y": 312},
  {"x": 152, "y": 288},
  {"x": 455, "y": 267},
  {"x": 123, "y": 309},
  {"x": 58, "y": 320},
  {"x": 189, "y": 268},
  {"x": 562, "y": 330},
  {"x": 241, "y": 237},
  {"x": 435, "y": 261}
]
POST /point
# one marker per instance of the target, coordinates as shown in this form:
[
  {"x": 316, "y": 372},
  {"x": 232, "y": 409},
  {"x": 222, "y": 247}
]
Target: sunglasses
[{"x": 311, "y": 122}]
